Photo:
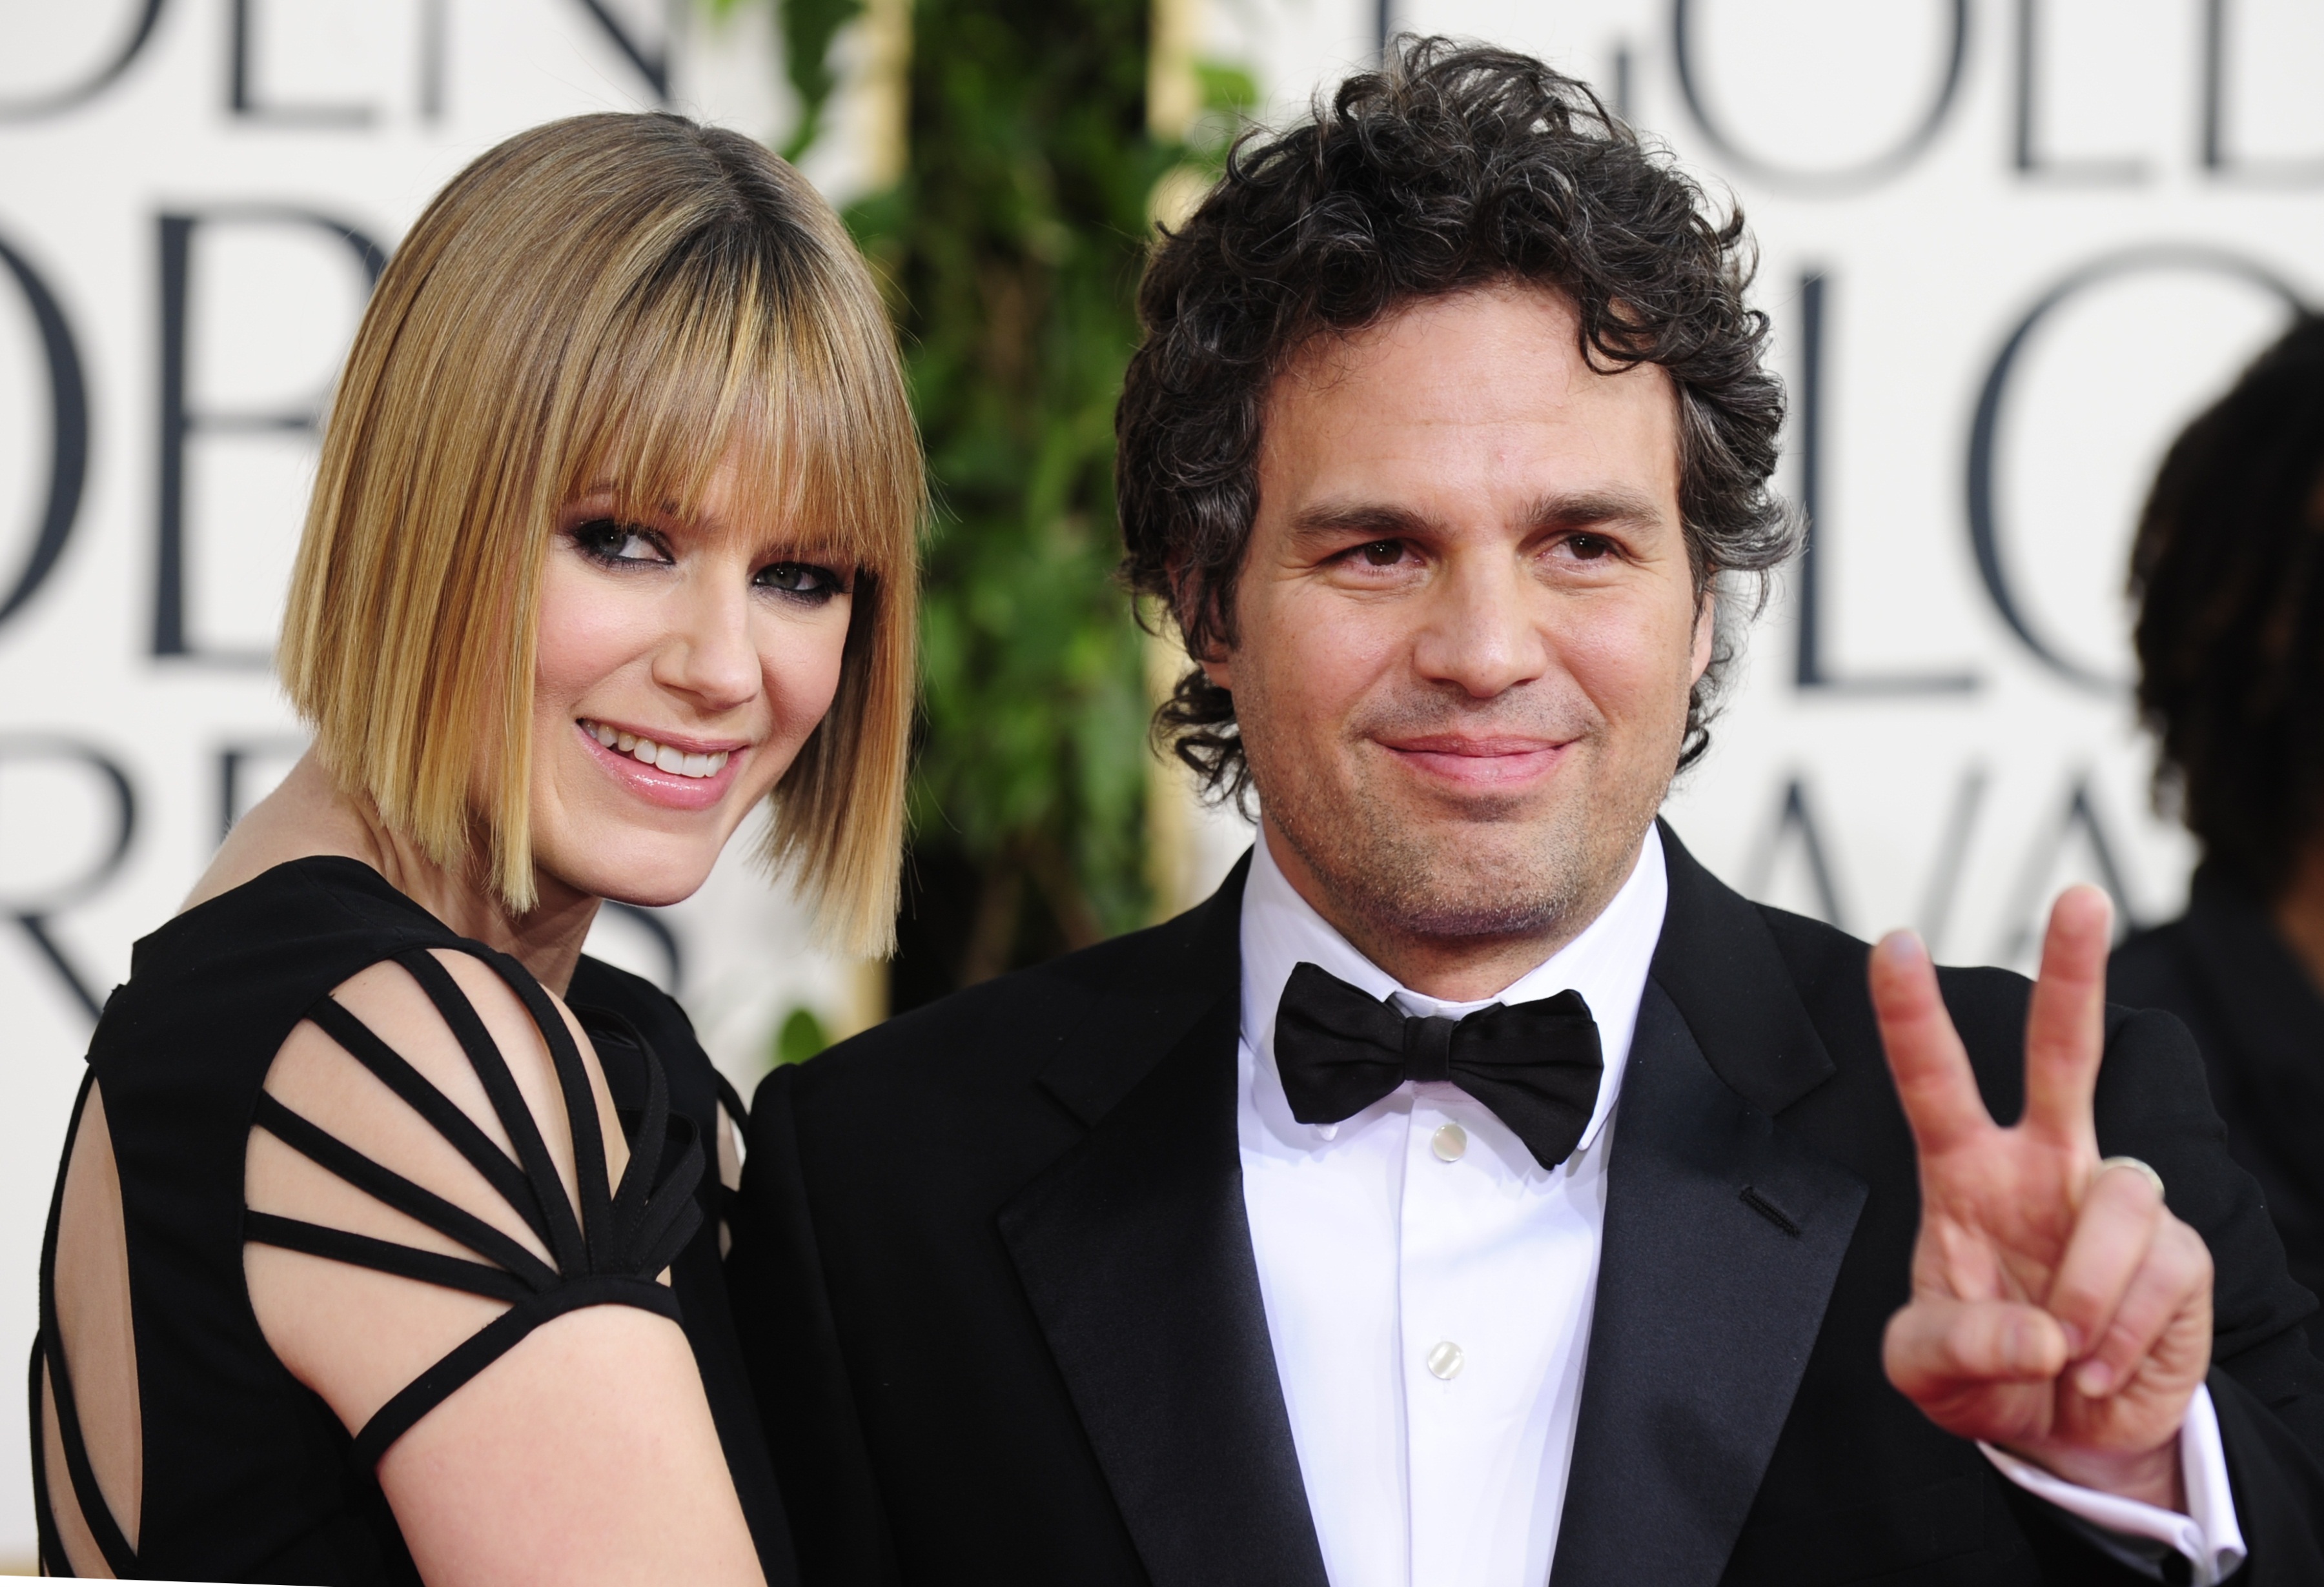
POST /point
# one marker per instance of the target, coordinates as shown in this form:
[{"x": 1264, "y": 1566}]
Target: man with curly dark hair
[
  {"x": 2229, "y": 571},
  {"x": 1474, "y": 1192}
]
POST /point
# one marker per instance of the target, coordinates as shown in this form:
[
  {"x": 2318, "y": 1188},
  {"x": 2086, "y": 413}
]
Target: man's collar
[
  {"x": 1607, "y": 964},
  {"x": 1718, "y": 960}
]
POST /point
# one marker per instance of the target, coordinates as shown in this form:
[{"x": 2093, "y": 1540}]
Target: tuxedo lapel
[
  {"x": 1134, "y": 1252},
  {"x": 1723, "y": 1238}
]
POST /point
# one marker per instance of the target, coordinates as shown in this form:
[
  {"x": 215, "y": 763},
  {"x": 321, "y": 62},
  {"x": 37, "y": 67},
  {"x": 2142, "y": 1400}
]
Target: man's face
[{"x": 1466, "y": 628}]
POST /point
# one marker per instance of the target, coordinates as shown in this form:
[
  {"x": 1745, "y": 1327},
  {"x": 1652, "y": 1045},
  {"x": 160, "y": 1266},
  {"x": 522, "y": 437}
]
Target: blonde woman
[{"x": 386, "y": 1246}]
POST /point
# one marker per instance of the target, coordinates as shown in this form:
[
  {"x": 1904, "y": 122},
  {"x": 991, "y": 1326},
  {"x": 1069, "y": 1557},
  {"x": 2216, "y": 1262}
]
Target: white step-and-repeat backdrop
[{"x": 2008, "y": 246}]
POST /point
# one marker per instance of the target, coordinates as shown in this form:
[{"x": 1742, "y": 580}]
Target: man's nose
[
  {"x": 707, "y": 654},
  {"x": 1479, "y": 629}
]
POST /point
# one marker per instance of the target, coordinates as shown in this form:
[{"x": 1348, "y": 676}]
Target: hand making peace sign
[{"x": 2059, "y": 1310}]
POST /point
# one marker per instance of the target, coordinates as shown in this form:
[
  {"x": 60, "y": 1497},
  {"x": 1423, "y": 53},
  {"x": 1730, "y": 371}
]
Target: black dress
[
  {"x": 248, "y": 1475},
  {"x": 2223, "y": 969}
]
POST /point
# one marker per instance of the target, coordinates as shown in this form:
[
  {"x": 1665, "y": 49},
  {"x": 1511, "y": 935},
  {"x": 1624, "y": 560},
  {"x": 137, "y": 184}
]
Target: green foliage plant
[
  {"x": 800, "y": 1037},
  {"x": 1015, "y": 239}
]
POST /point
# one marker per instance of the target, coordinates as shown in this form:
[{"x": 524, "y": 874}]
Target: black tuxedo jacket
[{"x": 996, "y": 1283}]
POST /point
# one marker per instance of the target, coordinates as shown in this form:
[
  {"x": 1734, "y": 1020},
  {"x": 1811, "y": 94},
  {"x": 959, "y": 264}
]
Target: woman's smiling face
[{"x": 682, "y": 663}]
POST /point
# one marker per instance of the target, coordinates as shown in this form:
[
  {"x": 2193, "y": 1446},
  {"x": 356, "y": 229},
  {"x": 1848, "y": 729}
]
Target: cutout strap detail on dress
[
  {"x": 610, "y": 1254},
  {"x": 47, "y": 1351}
]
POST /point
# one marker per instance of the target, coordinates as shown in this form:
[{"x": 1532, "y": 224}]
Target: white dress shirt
[{"x": 1429, "y": 1287}]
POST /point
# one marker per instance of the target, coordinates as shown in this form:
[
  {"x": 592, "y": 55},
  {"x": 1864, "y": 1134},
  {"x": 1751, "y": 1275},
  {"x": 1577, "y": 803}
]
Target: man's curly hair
[{"x": 1449, "y": 167}]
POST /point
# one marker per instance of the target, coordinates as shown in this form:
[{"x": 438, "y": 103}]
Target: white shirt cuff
[{"x": 2206, "y": 1534}]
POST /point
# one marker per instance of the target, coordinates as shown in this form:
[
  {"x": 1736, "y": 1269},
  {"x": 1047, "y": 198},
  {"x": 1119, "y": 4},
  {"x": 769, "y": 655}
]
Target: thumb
[{"x": 1938, "y": 1346}]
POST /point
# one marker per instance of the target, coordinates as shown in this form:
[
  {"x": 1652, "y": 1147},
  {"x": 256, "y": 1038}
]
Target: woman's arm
[{"x": 587, "y": 1451}]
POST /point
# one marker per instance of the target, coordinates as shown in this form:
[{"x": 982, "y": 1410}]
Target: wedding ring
[{"x": 2152, "y": 1177}]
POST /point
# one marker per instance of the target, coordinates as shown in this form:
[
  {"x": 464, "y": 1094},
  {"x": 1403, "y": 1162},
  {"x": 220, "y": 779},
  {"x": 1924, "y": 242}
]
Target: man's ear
[
  {"x": 1706, "y": 629},
  {"x": 1218, "y": 665}
]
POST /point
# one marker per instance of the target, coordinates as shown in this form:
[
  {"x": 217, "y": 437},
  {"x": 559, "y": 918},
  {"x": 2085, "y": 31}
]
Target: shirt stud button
[
  {"x": 1445, "y": 1360},
  {"x": 1450, "y": 1143}
]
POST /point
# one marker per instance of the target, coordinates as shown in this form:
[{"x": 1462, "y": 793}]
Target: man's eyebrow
[
  {"x": 1581, "y": 509},
  {"x": 1387, "y": 522},
  {"x": 1331, "y": 519}
]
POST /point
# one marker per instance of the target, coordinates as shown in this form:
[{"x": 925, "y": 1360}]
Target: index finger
[
  {"x": 1933, "y": 1080},
  {"x": 2065, "y": 1020}
]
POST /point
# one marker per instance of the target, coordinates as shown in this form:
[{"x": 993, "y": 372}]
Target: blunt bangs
[{"x": 713, "y": 368}]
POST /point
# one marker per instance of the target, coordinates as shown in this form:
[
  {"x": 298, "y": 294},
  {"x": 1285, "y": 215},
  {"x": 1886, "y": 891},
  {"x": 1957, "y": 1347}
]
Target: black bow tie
[{"x": 1537, "y": 1065}]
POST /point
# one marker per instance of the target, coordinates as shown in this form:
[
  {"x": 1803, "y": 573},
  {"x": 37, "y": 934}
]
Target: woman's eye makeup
[
  {"x": 612, "y": 543},
  {"x": 800, "y": 581},
  {"x": 615, "y": 543}
]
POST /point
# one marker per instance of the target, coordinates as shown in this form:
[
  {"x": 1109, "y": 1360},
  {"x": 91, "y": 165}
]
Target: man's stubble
[{"x": 1398, "y": 863}]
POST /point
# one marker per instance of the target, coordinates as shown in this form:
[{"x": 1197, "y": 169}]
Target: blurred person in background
[
  {"x": 2229, "y": 571},
  {"x": 386, "y": 1245}
]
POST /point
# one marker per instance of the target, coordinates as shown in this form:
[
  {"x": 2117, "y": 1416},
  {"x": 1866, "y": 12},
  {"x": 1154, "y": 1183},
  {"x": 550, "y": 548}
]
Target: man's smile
[{"x": 1498, "y": 761}]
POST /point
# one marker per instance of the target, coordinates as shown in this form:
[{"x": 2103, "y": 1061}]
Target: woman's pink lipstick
[{"x": 670, "y": 789}]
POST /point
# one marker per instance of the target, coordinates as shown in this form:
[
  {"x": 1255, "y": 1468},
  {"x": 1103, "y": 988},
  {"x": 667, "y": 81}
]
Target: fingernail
[
  {"x": 2093, "y": 1379},
  {"x": 1902, "y": 947},
  {"x": 2073, "y": 1340}
]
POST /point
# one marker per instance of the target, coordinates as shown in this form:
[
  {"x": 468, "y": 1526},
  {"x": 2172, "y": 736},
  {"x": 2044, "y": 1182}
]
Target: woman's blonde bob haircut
[{"x": 611, "y": 303}]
